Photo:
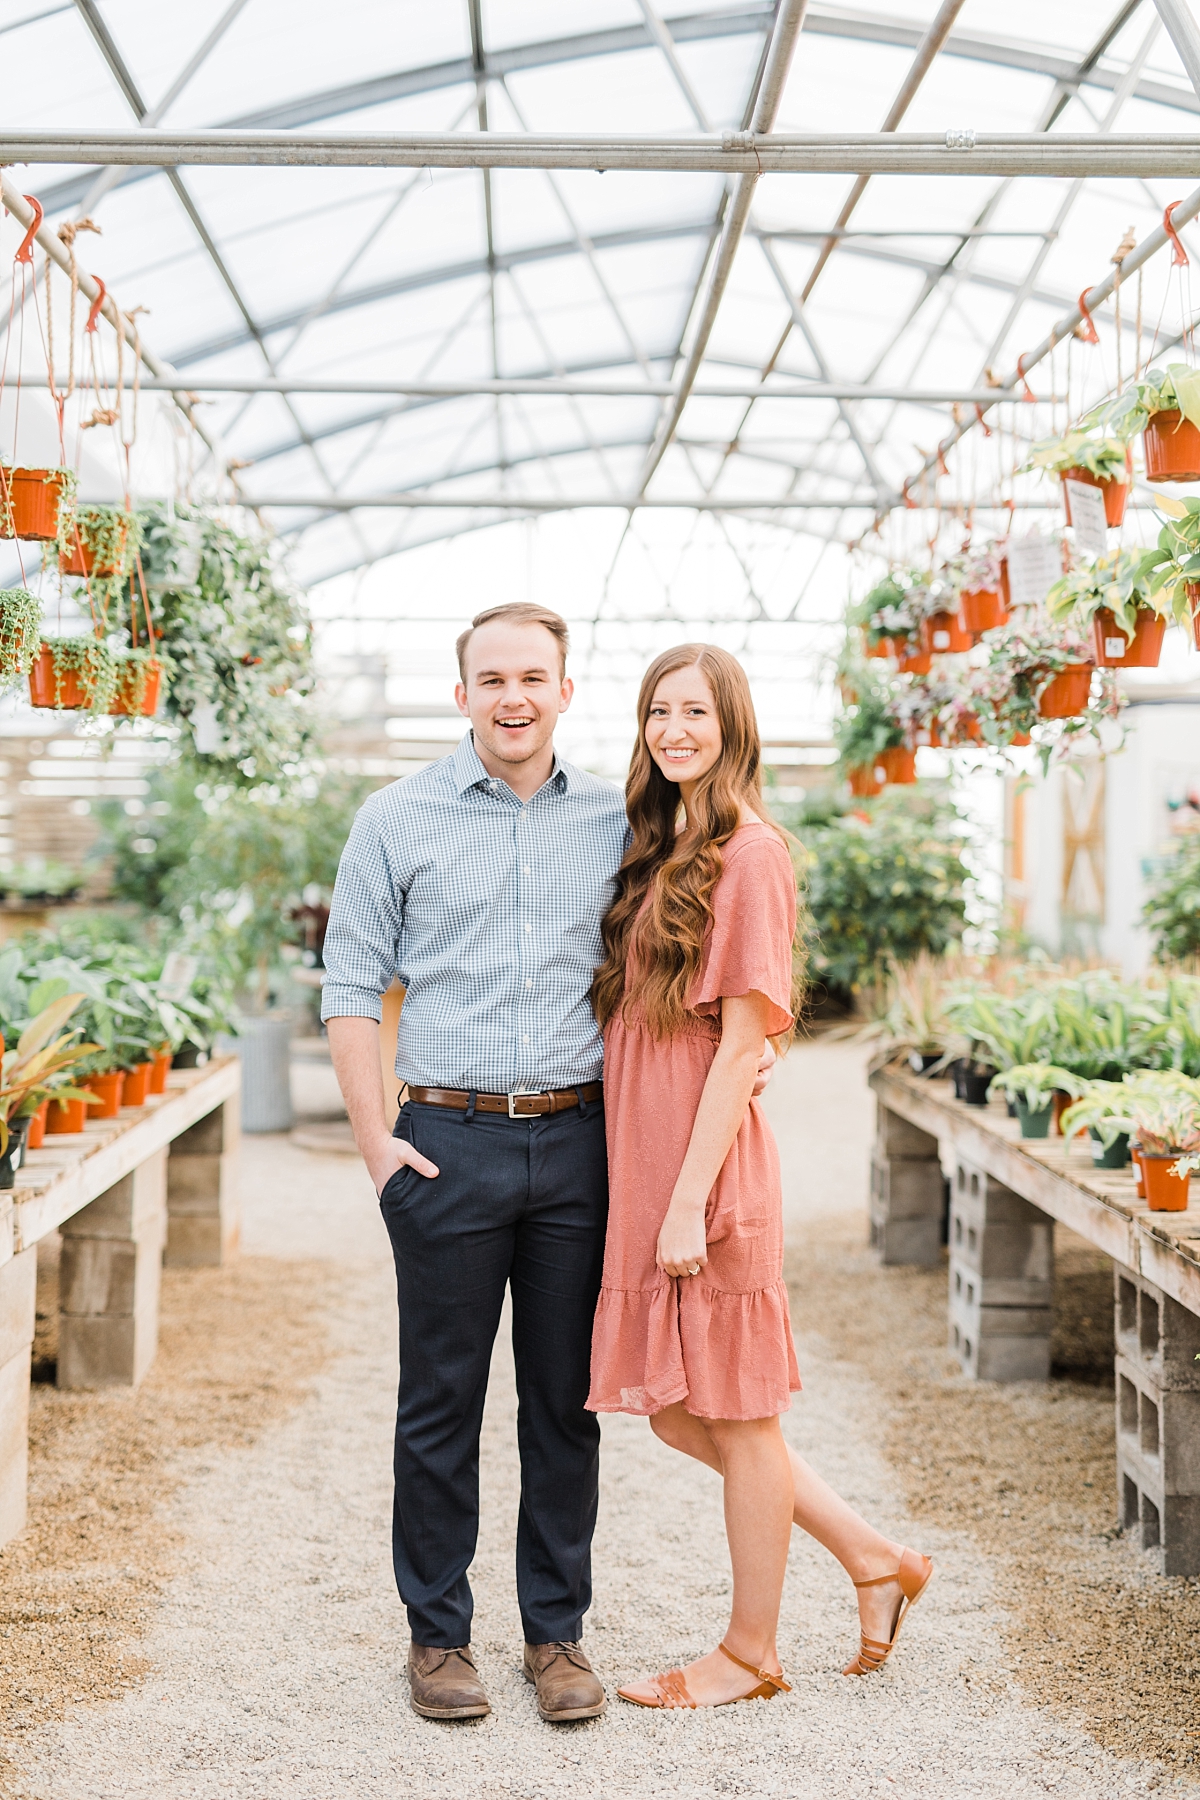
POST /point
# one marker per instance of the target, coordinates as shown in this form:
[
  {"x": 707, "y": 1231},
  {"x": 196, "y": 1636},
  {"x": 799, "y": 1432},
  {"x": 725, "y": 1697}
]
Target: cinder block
[
  {"x": 96, "y": 1275},
  {"x": 1158, "y": 1422},
  {"x": 913, "y": 1241},
  {"x": 898, "y": 1137},
  {"x": 1001, "y": 1280},
  {"x": 7, "y": 1235},
  {"x": 14, "y": 1442},
  {"x": 202, "y": 1204},
  {"x": 217, "y": 1131},
  {"x": 109, "y": 1283},
  {"x": 1157, "y": 1334},
  {"x": 18, "y": 1289},
  {"x": 127, "y": 1208},
  {"x": 907, "y": 1189},
  {"x": 198, "y": 1242}
]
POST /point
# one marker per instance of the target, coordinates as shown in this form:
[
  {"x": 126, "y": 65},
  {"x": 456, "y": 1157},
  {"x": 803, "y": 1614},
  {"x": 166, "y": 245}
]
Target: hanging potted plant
[
  {"x": 1175, "y": 568},
  {"x": 35, "y": 503},
  {"x": 102, "y": 541},
  {"x": 978, "y": 577},
  {"x": 889, "y": 618},
  {"x": 20, "y": 632},
  {"x": 869, "y": 737},
  {"x": 1165, "y": 407},
  {"x": 139, "y": 674},
  {"x": 942, "y": 631},
  {"x": 1096, "y": 460},
  {"x": 1111, "y": 598},
  {"x": 73, "y": 674}
]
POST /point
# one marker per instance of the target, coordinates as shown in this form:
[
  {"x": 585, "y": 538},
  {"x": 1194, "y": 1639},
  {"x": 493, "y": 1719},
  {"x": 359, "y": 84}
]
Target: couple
[{"x": 527, "y": 908}]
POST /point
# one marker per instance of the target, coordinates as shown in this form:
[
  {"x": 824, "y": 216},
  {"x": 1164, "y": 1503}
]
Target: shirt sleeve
[
  {"x": 365, "y": 921},
  {"x": 749, "y": 950}
]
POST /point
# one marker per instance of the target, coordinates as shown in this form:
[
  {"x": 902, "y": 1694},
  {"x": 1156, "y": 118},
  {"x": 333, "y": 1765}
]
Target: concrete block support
[
  {"x": 109, "y": 1281},
  {"x": 18, "y": 1288},
  {"x": 906, "y": 1192},
  {"x": 203, "y": 1222},
  {"x": 1158, "y": 1423},
  {"x": 1001, "y": 1280}
]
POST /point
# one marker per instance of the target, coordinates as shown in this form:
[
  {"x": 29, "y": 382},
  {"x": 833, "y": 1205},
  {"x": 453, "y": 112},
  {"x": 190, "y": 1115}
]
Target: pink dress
[{"x": 720, "y": 1341}]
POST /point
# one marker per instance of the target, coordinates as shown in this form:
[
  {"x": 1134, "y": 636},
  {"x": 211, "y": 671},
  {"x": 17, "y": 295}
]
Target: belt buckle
[{"x": 520, "y": 1094}]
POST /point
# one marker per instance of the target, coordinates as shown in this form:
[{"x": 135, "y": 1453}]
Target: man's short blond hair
[{"x": 517, "y": 612}]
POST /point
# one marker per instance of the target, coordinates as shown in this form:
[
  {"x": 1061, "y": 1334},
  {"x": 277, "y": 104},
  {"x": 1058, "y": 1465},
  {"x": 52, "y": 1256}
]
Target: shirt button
[
  {"x": 528, "y": 982},
  {"x": 525, "y": 870},
  {"x": 529, "y": 928},
  {"x": 524, "y": 1040}
]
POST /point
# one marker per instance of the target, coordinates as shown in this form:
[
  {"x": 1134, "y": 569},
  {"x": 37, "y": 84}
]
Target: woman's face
[{"x": 683, "y": 733}]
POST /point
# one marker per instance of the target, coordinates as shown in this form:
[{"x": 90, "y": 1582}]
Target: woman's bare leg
[
  {"x": 862, "y": 1551},
  {"x": 758, "y": 1524}
]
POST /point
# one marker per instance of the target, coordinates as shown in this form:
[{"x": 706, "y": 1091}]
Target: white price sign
[
  {"x": 1034, "y": 564},
  {"x": 1086, "y": 506},
  {"x": 179, "y": 972}
]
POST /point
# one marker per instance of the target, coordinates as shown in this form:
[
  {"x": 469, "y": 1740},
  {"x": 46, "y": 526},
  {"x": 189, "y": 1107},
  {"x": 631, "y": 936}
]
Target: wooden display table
[
  {"x": 1005, "y": 1191},
  {"x": 154, "y": 1185}
]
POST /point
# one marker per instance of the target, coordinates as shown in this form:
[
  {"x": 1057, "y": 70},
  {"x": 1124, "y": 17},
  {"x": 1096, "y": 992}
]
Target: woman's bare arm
[{"x": 727, "y": 1091}]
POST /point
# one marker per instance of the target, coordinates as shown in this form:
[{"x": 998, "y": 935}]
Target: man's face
[{"x": 513, "y": 693}]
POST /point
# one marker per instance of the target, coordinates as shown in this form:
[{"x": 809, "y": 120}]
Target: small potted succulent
[
  {"x": 35, "y": 503},
  {"x": 1112, "y": 599},
  {"x": 1099, "y": 460},
  {"x": 20, "y": 633},
  {"x": 1033, "y": 1087},
  {"x": 74, "y": 674}
]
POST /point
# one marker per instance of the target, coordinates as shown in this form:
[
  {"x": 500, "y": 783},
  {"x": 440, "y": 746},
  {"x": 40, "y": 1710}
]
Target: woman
[{"x": 692, "y": 1327}]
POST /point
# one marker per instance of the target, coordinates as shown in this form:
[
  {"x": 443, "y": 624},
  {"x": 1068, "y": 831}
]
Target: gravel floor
[{"x": 274, "y": 1656}]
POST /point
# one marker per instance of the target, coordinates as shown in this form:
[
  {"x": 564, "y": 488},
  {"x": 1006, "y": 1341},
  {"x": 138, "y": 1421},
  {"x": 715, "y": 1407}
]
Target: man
[{"x": 481, "y": 882}]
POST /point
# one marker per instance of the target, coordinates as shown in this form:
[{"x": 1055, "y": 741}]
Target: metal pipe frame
[
  {"x": 748, "y": 154},
  {"x": 568, "y": 388},
  {"x": 585, "y": 503},
  {"x": 1180, "y": 22}
]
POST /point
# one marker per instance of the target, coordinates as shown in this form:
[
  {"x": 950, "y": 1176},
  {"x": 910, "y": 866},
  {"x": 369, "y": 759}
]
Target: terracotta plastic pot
[
  {"x": 915, "y": 662},
  {"x": 864, "y": 781},
  {"x": 888, "y": 646},
  {"x": 899, "y": 765},
  {"x": 123, "y": 703},
  {"x": 66, "y": 1116},
  {"x": 158, "y": 1072},
  {"x": 982, "y": 609},
  {"x": 137, "y": 1085},
  {"x": 37, "y": 1126},
  {"x": 81, "y": 558},
  {"x": 106, "y": 1091},
  {"x": 1115, "y": 492},
  {"x": 1171, "y": 447},
  {"x": 968, "y": 729},
  {"x": 1164, "y": 1192},
  {"x": 1115, "y": 651},
  {"x": 71, "y": 693},
  {"x": 1019, "y": 739},
  {"x": 931, "y": 735},
  {"x": 943, "y": 633},
  {"x": 29, "y": 503},
  {"x": 1065, "y": 695}
]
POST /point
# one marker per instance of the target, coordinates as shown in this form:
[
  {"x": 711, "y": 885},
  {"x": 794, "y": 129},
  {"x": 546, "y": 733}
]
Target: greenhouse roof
[{"x": 386, "y": 358}]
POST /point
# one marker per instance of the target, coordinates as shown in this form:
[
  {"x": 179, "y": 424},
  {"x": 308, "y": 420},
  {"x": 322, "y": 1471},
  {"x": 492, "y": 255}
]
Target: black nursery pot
[
  {"x": 975, "y": 1085},
  {"x": 14, "y": 1156},
  {"x": 920, "y": 1063},
  {"x": 187, "y": 1056}
]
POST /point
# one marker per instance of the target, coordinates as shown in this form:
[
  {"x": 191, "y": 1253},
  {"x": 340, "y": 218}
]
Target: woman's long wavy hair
[{"x": 679, "y": 871}]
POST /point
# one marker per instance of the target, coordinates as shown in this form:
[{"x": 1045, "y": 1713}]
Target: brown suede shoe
[
  {"x": 566, "y": 1687},
  {"x": 444, "y": 1683}
]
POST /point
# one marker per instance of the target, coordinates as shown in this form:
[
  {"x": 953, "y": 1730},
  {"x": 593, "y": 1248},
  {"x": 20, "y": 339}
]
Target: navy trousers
[{"x": 519, "y": 1203}]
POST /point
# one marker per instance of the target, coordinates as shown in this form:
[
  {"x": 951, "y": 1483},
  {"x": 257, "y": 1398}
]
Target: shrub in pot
[
  {"x": 38, "y": 1067},
  {"x": 138, "y": 683}
]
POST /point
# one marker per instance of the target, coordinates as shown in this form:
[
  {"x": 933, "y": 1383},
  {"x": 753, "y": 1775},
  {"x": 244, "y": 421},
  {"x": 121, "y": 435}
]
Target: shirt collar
[{"x": 469, "y": 772}]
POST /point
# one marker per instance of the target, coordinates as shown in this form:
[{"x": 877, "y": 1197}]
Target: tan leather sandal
[
  {"x": 673, "y": 1690},
  {"x": 914, "y": 1575}
]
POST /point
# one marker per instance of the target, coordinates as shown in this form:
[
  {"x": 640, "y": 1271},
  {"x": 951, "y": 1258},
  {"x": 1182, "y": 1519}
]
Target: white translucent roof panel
[{"x": 384, "y": 276}]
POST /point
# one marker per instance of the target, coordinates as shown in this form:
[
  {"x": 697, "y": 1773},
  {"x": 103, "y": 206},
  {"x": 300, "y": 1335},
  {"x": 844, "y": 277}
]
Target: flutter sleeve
[{"x": 749, "y": 949}]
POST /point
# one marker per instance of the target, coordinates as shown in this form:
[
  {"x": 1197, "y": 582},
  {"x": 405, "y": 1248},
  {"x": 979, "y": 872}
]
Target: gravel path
[{"x": 277, "y": 1653}]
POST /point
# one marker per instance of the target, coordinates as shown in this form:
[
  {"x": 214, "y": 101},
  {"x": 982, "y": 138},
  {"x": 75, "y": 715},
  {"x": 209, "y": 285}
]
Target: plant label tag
[
  {"x": 1087, "y": 516},
  {"x": 179, "y": 972},
  {"x": 1034, "y": 563},
  {"x": 1115, "y": 646},
  {"x": 941, "y": 640}
]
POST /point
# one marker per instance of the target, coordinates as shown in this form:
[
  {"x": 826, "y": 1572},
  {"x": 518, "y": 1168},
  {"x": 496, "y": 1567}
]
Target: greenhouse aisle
[{"x": 272, "y": 1655}]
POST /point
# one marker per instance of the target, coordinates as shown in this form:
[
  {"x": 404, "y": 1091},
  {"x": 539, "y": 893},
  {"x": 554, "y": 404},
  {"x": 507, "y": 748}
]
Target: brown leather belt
[{"x": 514, "y": 1106}]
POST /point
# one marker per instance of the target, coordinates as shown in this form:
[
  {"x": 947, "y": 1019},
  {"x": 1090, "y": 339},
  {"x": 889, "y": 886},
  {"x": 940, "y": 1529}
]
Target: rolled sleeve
[{"x": 365, "y": 922}]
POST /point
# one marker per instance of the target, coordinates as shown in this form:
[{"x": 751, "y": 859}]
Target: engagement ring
[{"x": 693, "y": 1268}]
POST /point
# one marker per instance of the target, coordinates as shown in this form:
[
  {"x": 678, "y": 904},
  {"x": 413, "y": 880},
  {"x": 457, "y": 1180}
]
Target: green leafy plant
[
  {"x": 1004, "y": 1031},
  {"x": 1104, "y": 456},
  {"x": 1162, "y": 1112},
  {"x": 112, "y": 535},
  {"x": 974, "y": 570},
  {"x": 885, "y": 882},
  {"x": 41, "y": 880},
  {"x": 870, "y": 725},
  {"x": 134, "y": 670},
  {"x": 1034, "y": 1083},
  {"x": 1120, "y": 580},
  {"x": 1100, "y": 1110},
  {"x": 91, "y": 661},
  {"x": 1176, "y": 567},
  {"x": 20, "y": 633},
  {"x": 1172, "y": 910},
  {"x": 237, "y": 640},
  {"x": 1173, "y": 389},
  {"x": 38, "y": 1067}
]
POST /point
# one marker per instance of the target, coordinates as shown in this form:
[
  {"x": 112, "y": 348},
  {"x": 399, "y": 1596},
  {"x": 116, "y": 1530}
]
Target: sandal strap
[
  {"x": 776, "y": 1681},
  {"x": 673, "y": 1689}
]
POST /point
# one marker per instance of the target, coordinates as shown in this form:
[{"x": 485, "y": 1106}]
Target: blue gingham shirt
[{"x": 488, "y": 910}]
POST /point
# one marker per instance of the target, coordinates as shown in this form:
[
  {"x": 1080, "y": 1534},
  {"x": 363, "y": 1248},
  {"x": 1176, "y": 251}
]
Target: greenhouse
[{"x": 599, "y": 899}]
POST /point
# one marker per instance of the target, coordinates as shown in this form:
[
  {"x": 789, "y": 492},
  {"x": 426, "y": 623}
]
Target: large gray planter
[{"x": 264, "y": 1047}]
